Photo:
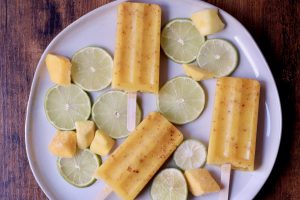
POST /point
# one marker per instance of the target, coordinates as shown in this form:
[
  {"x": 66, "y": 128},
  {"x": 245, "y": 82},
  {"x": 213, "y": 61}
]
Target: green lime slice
[
  {"x": 181, "y": 41},
  {"x": 169, "y": 184},
  {"x": 64, "y": 105},
  {"x": 191, "y": 154},
  {"x": 181, "y": 100},
  {"x": 109, "y": 112},
  {"x": 79, "y": 170},
  {"x": 218, "y": 56},
  {"x": 92, "y": 68}
]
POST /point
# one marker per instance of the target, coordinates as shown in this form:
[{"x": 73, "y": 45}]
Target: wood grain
[{"x": 27, "y": 27}]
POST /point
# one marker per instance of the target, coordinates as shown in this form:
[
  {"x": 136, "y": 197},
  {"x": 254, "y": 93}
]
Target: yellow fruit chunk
[
  {"x": 63, "y": 144},
  {"x": 59, "y": 68},
  {"x": 85, "y": 131},
  {"x": 200, "y": 182},
  {"x": 196, "y": 72},
  {"x": 102, "y": 143},
  {"x": 207, "y": 21}
]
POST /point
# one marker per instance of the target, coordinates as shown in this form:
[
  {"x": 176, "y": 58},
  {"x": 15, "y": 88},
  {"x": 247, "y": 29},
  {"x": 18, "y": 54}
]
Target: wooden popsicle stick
[
  {"x": 225, "y": 181},
  {"x": 131, "y": 111},
  {"x": 105, "y": 192}
]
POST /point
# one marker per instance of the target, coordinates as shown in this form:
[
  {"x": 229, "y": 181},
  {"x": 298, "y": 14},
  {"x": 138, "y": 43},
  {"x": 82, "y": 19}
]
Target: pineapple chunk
[
  {"x": 200, "y": 182},
  {"x": 102, "y": 143},
  {"x": 63, "y": 144},
  {"x": 196, "y": 72},
  {"x": 59, "y": 68},
  {"x": 85, "y": 131},
  {"x": 207, "y": 21}
]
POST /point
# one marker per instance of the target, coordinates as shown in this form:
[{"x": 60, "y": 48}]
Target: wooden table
[{"x": 27, "y": 27}]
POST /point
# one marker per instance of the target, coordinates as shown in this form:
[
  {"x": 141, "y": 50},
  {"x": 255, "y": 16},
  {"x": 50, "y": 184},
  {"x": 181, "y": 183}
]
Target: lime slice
[
  {"x": 181, "y": 41},
  {"x": 64, "y": 105},
  {"x": 79, "y": 170},
  {"x": 92, "y": 68},
  {"x": 110, "y": 113},
  {"x": 169, "y": 184},
  {"x": 191, "y": 154},
  {"x": 218, "y": 56},
  {"x": 181, "y": 100}
]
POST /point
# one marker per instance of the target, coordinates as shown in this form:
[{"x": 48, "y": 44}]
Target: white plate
[{"x": 98, "y": 28}]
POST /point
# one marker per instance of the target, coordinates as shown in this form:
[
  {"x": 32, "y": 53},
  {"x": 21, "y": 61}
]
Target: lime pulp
[{"x": 181, "y": 41}]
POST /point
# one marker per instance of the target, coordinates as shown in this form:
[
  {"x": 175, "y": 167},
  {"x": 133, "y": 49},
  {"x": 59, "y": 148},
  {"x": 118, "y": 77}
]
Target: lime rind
[
  {"x": 109, "y": 112},
  {"x": 99, "y": 60},
  {"x": 188, "y": 150},
  {"x": 66, "y": 178},
  {"x": 181, "y": 45},
  {"x": 210, "y": 57},
  {"x": 86, "y": 104},
  {"x": 169, "y": 183},
  {"x": 173, "y": 91}
]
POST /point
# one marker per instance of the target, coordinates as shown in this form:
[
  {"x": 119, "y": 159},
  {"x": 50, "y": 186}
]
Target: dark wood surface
[{"x": 27, "y": 27}]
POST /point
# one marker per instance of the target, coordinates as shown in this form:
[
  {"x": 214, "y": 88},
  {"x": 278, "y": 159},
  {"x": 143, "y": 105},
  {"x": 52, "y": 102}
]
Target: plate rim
[
  {"x": 34, "y": 83},
  {"x": 107, "y": 6},
  {"x": 263, "y": 59}
]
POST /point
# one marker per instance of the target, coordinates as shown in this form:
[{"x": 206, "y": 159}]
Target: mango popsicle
[
  {"x": 136, "y": 60},
  {"x": 134, "y": 162},
  {"x": 234, "y": 124}
]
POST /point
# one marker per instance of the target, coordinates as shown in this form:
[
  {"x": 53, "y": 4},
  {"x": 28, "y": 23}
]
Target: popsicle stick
[
  {"x": 105, "y": 192},
  {"x": 225, "y": 181},
  {"x": 131, "y": 111}
]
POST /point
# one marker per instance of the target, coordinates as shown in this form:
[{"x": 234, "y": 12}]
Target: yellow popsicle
[
  {"x": 234, "y": 124},
  {"x": 133, "y": 163},
  {"x": 136, "y": 60}
]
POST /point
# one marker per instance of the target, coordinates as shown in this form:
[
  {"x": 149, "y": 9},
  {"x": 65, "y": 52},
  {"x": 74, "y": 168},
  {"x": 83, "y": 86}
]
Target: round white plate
[{"x": 97, "y": 28}]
